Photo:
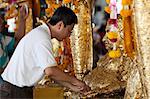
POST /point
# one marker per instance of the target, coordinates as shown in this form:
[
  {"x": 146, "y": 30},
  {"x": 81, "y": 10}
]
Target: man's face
[{"x": 65, "y": 32}]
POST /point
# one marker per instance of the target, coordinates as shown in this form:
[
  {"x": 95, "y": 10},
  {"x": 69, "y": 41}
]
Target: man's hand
[
  {"x": 66, "y": 80},
  {"x": 82, "y": 87},
  {"x": 23, "y": 11},
  {"x": 75, "y": 88}
]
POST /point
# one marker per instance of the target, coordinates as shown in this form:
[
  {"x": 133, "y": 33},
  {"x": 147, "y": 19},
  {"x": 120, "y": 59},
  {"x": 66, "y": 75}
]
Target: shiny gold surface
[
  {"x": 141, "y": 76},
  {"x": 111, "y": 73},
  {"x": 81, "y": 41}
]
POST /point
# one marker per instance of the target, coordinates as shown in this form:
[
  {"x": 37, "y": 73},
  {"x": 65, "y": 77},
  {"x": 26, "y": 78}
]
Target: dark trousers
[{"x": 9, "y": 91}]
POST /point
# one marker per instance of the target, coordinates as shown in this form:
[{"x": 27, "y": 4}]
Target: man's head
[{"x": 62, "y": 23}]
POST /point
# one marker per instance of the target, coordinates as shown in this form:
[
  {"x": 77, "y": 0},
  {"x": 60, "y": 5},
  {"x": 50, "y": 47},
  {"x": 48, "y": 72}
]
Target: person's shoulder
[
  {"x": 42, "y": 26},
  {"x": 35, "y": 29}
]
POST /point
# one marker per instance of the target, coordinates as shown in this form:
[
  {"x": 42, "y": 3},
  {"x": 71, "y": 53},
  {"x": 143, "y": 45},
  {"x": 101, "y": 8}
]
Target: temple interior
[{"x": 109, "y": 48}]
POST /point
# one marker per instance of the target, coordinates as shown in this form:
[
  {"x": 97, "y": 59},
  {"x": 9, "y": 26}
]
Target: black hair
[{"x": 63, "y": 14}]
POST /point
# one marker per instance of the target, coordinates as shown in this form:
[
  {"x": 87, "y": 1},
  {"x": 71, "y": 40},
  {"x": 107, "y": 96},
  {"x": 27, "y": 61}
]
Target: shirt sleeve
[{"x": 43, "y": 55}]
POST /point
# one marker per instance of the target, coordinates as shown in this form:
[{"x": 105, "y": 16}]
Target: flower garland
[
  {"x": 126, "y": 13},
  {"x": 113, "y": 34}
]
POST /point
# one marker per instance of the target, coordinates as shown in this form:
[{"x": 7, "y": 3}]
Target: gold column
[
  {"x": 138, "y": 85},
  {"x": 81, "y": 40}
]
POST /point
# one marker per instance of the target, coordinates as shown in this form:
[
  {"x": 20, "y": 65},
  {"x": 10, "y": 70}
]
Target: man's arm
[
  {"x": 66, "y": 80},
  {"x": 21, "y": 25}
]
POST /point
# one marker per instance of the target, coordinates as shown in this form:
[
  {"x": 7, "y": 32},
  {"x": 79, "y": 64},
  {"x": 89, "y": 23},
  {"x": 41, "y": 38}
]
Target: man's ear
[{"x": 60, "y": 25}]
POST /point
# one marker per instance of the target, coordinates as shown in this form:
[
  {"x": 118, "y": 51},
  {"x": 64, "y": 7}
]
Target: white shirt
[{"x": 32, "y": 55}]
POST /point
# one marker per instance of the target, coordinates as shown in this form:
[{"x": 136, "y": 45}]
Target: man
[{"x": 33, "y": 57}]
